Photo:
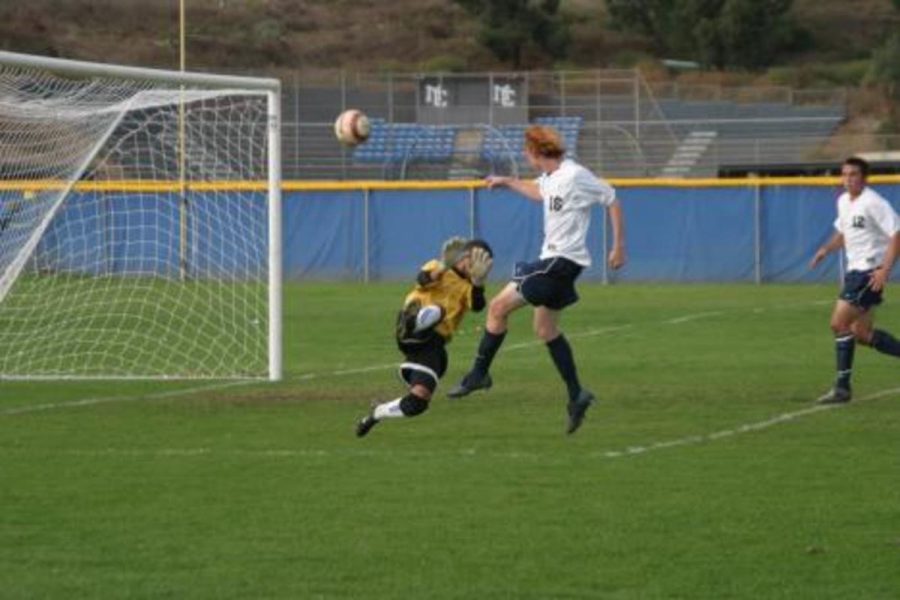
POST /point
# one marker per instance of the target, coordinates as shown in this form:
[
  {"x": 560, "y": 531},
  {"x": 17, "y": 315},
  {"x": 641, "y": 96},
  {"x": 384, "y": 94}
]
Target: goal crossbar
[{"x": 79, "y": 68}]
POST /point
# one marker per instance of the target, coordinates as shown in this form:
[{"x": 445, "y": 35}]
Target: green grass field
[
  {"x": 133, "y": 327},
  {"x": 706, "y": 471}
]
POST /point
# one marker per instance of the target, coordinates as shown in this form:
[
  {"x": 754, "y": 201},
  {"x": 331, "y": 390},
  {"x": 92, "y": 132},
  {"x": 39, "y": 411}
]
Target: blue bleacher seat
[
  {"x": 412, "y": 142},
  {"x": 399, "y": 142}
]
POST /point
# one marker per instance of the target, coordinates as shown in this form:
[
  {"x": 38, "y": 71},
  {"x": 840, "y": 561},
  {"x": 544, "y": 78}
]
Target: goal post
[{"x": 140, "y": 222}]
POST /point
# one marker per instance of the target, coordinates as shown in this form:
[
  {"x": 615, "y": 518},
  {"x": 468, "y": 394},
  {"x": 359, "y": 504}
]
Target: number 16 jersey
[{"x": 568, "y": 193}]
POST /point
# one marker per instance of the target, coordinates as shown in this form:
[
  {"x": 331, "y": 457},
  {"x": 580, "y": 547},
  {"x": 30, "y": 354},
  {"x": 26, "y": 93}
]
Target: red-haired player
[{"x": 567, "y": 191}]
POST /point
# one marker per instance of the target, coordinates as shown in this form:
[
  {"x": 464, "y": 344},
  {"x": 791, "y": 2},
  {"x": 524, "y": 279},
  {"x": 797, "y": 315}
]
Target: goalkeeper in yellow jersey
[{"x": 445, "y": 289}]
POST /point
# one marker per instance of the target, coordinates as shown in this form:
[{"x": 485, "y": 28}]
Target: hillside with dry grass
[
  {"x": 366, "y": 34},
  {"x": 246, "y": 34},
  {"x": 276, "y": 36}
]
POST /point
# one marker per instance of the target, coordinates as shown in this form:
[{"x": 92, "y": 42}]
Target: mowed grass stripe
[
  {"x": 372, "y": 368},
  {"x": 634, "y": 450}
]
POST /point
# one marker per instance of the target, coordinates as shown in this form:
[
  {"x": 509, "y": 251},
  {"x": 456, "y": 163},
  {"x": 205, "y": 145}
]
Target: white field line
[
  {"x": 571, "y": 336},
  {"x": 745, "y": 428},
  {"x": 355, "y": 371},
  {"x": 20, "y": 410},
  {"x": 506, "y": 348},
  {"x": 630, "y": 451},
  {"x": 694, "y": 317}
]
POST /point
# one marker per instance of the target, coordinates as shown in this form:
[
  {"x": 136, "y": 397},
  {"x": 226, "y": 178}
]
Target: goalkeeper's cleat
[
  {"x": 577, "y": 410},
  {"x": 365, "y": 425},
  {"x": 836, "y": 395},
  {"x": 469, "y": 384}
]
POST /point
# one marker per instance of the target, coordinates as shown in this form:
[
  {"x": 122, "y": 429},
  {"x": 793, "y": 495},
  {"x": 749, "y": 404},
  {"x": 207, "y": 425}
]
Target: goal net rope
[{"x": 134, "y": 227}]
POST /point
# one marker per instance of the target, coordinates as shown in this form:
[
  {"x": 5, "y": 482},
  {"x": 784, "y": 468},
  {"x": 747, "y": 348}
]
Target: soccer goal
[{"x": 140, "y": 222}]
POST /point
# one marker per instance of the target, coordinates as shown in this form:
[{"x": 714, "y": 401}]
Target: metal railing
[{"x": 609, "y": 148}]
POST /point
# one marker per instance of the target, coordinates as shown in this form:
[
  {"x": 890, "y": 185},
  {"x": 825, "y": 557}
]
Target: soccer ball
[{"x": 352, "y": 127}]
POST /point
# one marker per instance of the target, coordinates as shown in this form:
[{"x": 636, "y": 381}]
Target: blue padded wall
[
  {"x": 407, "y": 228},
  {"x": 679, "y": 234},
  {"x": 683, "y": 234}
]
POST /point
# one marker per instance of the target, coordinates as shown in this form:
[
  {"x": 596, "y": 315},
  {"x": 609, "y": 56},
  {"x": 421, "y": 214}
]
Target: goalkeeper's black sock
[
  {"x": 409, "y": 405},
  {"x": 885, "y": 343},
  {"x": 412, "y": 405},
  {"x": 844, "y": 346},
  {"x": 561, "y": 352},
  {"x": 487, "y": 349}
]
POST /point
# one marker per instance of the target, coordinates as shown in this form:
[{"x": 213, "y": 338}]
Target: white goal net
[{"x": 139, "y": 218}]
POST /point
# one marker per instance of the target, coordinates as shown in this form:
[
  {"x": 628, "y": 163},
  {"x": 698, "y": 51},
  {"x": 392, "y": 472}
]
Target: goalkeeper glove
[
  {"x": 452, "y": 250},
  {"x": 480, "y": 263}
]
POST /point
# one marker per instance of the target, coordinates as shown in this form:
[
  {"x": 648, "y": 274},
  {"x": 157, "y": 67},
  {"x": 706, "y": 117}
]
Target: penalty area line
[
  {"x": 691, "y": 440},
  {"x": 20, "y": 410},
  {"x": 359, "y": 370},
  {"x": 631, "y": 451}
]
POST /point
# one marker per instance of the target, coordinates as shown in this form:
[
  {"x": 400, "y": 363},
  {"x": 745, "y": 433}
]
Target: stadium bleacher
[
  {"x": 395, "y": 142},
  {"x": 745, "y": 132},
  {"x": 619, "y": 131},
  {"x": 725, "y": 127},
  {"x": 404, "y": 143},
  {"x": 734, "y": 120}
]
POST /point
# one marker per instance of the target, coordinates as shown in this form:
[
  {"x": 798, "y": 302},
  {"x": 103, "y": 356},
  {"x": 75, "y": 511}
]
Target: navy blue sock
[
  {"x": 561, "y": 353},
  {"x": 885, "y": 343},
  {"x": 844, "y": 346},
  {"x": 487, "y": 348}
]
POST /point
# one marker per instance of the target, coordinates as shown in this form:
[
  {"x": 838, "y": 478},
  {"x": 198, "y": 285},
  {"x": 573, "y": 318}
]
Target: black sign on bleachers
[{"x": 452, "y": 99}]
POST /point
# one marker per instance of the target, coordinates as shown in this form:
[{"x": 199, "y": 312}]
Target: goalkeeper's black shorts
[{"x": 425, "y": 360}]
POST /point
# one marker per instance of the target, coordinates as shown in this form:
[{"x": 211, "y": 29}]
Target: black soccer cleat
[
  {"x": 469, "y": 384},
  {"x": 836, "y": 395},
  {"x": 365, "y": 425},
  {"x": 578, "y": 409}
]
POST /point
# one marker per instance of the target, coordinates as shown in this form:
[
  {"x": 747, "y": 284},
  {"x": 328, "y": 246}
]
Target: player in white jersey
[
  {"x": 567, "y": 191},
  {"x": 868, "y": 229}
]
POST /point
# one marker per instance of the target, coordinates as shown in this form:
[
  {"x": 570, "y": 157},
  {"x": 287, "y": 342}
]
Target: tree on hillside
[
  {"x": 509, "y": 27},
  {"x": 886, "y": 65},
  {"x": 755, "y": 32},
  {"x": 652, "y": 18},
  {"x": 886, "y": 71},
  {"x": 717, "y": 33}
]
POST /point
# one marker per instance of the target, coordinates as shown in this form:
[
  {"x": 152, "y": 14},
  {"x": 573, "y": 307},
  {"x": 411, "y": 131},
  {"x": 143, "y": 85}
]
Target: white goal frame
[{"x": 271, "y": 87}]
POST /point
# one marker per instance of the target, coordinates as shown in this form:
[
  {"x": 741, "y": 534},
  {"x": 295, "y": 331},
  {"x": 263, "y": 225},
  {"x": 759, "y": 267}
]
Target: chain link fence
[{"x": 623, "y": 126}]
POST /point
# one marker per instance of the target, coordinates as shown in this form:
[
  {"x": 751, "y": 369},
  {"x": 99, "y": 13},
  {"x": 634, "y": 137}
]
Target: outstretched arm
[
  {"x": 836, "y": 242},
  {"x": 527, "y": 188},
  {"x": 617, "y": 252}
]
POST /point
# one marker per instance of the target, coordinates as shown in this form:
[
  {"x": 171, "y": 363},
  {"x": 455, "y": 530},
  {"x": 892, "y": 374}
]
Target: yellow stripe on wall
[{"x": 137, "y": 186}]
